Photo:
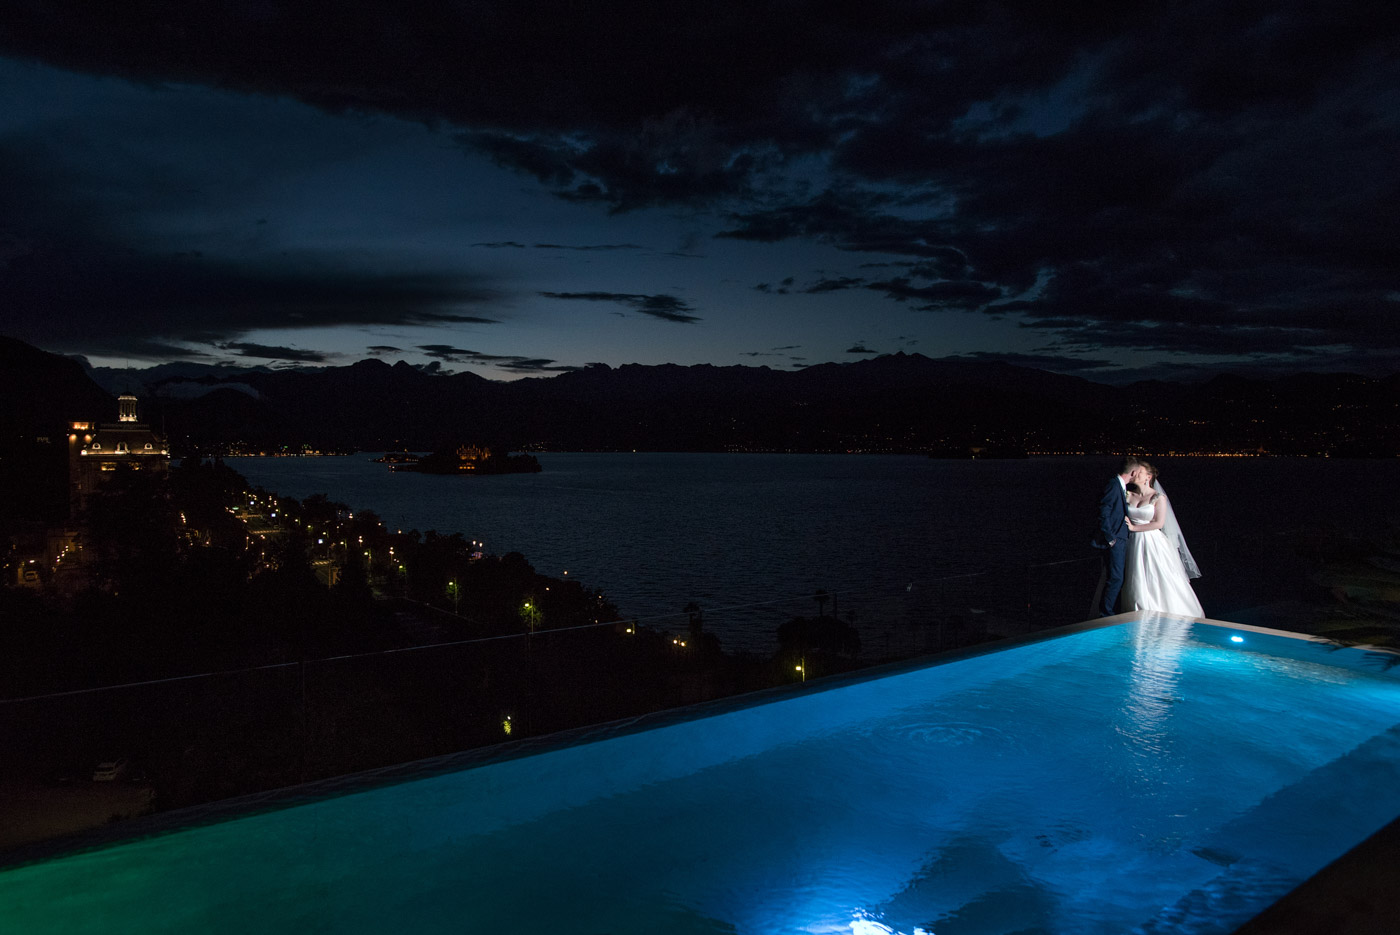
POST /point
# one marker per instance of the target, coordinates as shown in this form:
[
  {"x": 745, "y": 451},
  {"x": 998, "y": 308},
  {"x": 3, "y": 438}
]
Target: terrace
[{"x": 1144, "y": 773}]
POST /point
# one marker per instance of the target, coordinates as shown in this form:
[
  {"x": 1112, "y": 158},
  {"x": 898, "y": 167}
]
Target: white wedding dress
[{"x": 1155, "y": 578}]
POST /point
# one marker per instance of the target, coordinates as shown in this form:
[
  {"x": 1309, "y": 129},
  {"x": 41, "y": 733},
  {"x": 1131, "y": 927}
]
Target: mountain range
[{"x": 899, "y": 402}]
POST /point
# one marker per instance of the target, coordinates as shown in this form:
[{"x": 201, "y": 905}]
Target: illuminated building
[
  {"x": 469, "y": 457},
  {"x": 95, "y": 450}
]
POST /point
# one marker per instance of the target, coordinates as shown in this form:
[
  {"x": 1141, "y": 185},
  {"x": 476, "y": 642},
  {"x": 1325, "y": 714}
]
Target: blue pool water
[{"x": 1144, "y": 777}]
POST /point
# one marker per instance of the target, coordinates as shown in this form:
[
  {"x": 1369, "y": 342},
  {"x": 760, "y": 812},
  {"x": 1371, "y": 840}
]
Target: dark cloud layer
[
  {"x": 84, "y": 267},
  {"x": 937, "y": 296},
  {"x": 110, "y": 298},
  {"x": 776, "y": 352},
  {"x": 270, "y": 352},
  {"x": 516, "y": 245},
  {"x": 607, "y": 247},
  {"x": 665, "y": 307},
  {"x": 513, "y": 363},
  {"x": 1196, "y": 178}
]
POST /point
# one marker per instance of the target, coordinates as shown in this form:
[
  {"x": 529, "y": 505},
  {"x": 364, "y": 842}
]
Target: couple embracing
[{"x": 1146, "y": 565}]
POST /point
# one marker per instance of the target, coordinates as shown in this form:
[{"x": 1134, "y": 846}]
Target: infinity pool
[{"x": 1153, "y": 776}]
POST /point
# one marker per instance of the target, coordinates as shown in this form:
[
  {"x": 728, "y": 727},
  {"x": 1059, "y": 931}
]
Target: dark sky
[{"x": 1107, "y": 189}]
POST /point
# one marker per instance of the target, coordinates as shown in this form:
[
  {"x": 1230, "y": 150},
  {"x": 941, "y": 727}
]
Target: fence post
[{"x": 1030, "y": 596}]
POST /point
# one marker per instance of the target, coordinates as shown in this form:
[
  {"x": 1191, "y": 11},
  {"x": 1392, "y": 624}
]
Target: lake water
[{"x": 896, "y": 539}]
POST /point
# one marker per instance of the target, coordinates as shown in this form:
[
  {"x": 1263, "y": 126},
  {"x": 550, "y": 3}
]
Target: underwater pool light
[{"x": 1237, "y": 639}]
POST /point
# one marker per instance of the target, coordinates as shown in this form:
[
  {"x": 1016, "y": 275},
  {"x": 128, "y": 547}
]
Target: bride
[{"x": 1159, "y": 564}]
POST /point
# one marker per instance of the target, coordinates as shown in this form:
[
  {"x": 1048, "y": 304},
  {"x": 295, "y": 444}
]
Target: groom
[{"x": 1111, "y": 536}]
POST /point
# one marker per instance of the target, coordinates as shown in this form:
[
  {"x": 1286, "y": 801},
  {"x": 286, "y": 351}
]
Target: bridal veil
[{"x": 1173, "y": 531}]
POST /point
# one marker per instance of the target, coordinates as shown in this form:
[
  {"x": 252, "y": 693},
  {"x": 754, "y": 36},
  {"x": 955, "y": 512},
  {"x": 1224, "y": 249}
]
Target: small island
[{"x": 467, "y": 459}]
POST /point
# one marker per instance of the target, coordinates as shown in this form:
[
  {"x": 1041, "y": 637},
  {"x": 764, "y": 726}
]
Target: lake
[{"x": 894, "y": 539}]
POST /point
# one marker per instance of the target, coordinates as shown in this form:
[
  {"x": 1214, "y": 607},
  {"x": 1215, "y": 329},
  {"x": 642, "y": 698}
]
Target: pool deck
[{"x": 1356, "y": 894}]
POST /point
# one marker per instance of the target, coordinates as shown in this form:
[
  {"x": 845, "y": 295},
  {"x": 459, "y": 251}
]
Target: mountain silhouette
[{"x": 897, "y": 402}]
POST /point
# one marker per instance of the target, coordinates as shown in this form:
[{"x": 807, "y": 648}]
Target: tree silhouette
[
  {"x": 131, "y": 539},
  {"x": 695, "y": 621},
  {"x": 822, "y": 634}
]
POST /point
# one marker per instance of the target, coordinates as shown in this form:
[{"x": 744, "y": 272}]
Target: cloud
[
  {"x": 433, "y": 317},
  {"x": 674, "y": 158},
  {"x": 834, "y": 284},
  {"x": 665, "y": 307},
  {"x": 943, "y": 263},
  {"x": 599, "y": 107},
  {"x": 774, "y": 352},
  {"x": 1180, "y": 337},
  {"x": 858, "y": 348},
  {"x": 525, "y": 365},
  {"x": 783, "y": 288},
  {"x": 509, "y": 362},
  {"x": 384, "y": 349},
  {"x": 1052, "y": 362},
  {"x": 271, "y": 352},
  {"x": 86, "y": 265},
  {"x": 947, "y": 294},
  {"x": 516, "y": 245},
  {"x": 103, "y": 298},
  {"x": 446, "y": 352},
  {"x": 587, "y": 247},
  {"x": 851, "y": 220},
  {"x": 1225, "y": 172}
]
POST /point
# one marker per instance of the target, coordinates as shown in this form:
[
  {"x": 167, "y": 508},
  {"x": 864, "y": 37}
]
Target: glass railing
[{"x": 89, "y": 756}]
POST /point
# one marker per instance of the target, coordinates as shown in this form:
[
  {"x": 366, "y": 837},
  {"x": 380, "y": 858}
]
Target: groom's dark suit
[{"x": 1112, "y": 538}]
